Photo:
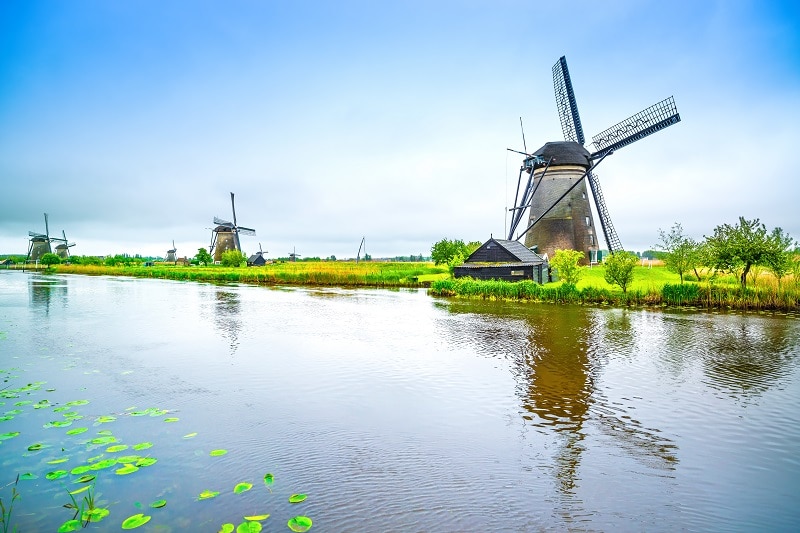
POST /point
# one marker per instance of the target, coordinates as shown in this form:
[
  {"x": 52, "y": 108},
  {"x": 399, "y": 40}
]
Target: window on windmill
[
  {"x": 583, "y": 195},
  {"x": 588, "y": 221},
  {"x": 517, "y": 272},
  {"x": 591, "y": 239}
]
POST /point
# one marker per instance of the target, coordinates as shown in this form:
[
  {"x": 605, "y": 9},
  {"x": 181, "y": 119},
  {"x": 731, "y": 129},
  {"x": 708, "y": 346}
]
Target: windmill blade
[
  {"x": 646, "y": 122},
  {"x": 566, "y": 104},
  {"x": 34, "y": 234},
  {"x": 220, "y": 222},
  {"x": 246, "y": 231},
  {"x": 610, "y": 234},
  {"x": 233, "y": 208},
  {"x": 46, "y": 227}
]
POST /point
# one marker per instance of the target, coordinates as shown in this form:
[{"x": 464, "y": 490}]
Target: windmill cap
[{"x": 564, "y": 153}]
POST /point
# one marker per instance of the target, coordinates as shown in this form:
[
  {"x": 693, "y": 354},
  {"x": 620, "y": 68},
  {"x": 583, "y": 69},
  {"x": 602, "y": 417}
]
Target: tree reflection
[{"x": 46, "y": 290}]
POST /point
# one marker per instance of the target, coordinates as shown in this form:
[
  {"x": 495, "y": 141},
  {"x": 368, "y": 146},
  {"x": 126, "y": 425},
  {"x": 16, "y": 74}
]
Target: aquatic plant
[{"x": 5, "y": 512}]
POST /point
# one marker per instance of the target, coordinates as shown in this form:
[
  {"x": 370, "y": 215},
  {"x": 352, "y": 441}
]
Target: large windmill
[
  {"x": 560, "y": 214},
  {"x": 63, "y": 246},
  {"x": 39, "y": 243},
  {"x": 225, "y": 236}
]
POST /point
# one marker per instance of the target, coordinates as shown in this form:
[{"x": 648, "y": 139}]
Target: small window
[
  {"x": 588, "y": 221},
  {"x": 583, "y": 195},
  {"x": 517, "y": 272},
  {"x": 591, "y": 240}
]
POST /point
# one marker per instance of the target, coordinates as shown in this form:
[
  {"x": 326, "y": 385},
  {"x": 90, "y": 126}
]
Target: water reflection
[
  {"x": 43, "y": 291},
  {"x": 226, "y": 315},
  {"x": 557, "y": 357}
]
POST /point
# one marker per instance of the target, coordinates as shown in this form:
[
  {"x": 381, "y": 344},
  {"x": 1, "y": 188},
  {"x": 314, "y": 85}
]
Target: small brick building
[{"x": 506, "y": 260}]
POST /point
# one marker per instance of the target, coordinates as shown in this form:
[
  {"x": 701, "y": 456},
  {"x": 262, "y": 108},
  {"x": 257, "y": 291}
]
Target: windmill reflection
[
  {"x": 226, "y": 316},
  {"x": 557, "y": 356},
  {"x": 43, "y": 291}
]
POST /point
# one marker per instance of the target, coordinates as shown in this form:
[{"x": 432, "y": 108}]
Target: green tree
[
  {"x": 232, "y": 258},
  {"x": 619, "y": 269},
  {"x": 780, "y": 258},
  {"x": 565, "y": 262},
  {"x": 681, "y": 252},
  {"x": 445, "y": 250},
  {"x": 737, "y": 248},
  {"x": 50, "y": 259},
  {"x": 203, "y": 256}
]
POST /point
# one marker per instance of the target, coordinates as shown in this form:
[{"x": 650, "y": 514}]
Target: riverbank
[{"x": 652, "y": 287}]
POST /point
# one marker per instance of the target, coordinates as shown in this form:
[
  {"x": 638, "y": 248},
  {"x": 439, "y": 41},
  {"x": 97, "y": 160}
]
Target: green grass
[{"x": 654, "y": 287}]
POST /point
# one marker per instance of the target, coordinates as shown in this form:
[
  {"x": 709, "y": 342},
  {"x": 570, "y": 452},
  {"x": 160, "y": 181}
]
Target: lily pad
[
  {"x": 28, "y": 475},
  {"x": 81, "y": 469},
  {"x": 70, "y": 525},
  {"x": 171, "y": 419},
  {"x": 56, "y": 474},
  {"x": 142, "y": 446},
  {"x": 76, "y": 402},
  {"x": 105, "y": 419},
  {"x": 189, "y": 436},
  {"x": 158, "y": 504},
  {"x": 105, "y": 463},
  {"x": 58, "y": 424},
  {"x": 127, "y": 469},
  {"x": 297, "y": 498},
  {"x": 257, "y": 517},
  {"x": 242, "y": 487},
  {"x": 269, "y": 479},
  {"x": 6, "y": 436},
  {"x": 217, "y": 453},
  {"x": 85, "y": 478},
  {"x": 146, "y": 461},
  {"x": 108, "y": 439},
  {"x": 299, "y": 524},
  {"x": 95, "y": 515},
  {"x": 58, "y": 461},
  {"x": 132, "y": 522},
  {"x": 248, "y": 527},
  {"x": 128, "y": 458},
  {"x": 226, "y": 528},
  {"x": 206, "y": 494},
  {"x": 77, "y": 431},
  {"x": 117, "y": 448},
  {"x": 38, "y": 446}
]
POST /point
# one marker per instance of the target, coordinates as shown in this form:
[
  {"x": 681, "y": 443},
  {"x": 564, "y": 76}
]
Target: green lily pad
[
  {"x": 28, "y": 475},
  {"x": 58, "y": 461},
  {"x": 56, "y": 474},
  {"x": 76, "y": 402},
  {"x": 95, "y": 515},
  {"x": 85, "y": 478},
  {"x": 206, "y": 494},
  {"x": 105, "y": 419},
  {"x": 105, "y": 432},
  {"x": 158, "y": 504},
  {"x": 127, "y": 469},
  {"x": 109, "y": 439},
  {"x": 217, "y": 453},
  {"x": 269, "y": 479},
  {"x": 23, "y": 402},
  {"x": 58, "y": 424},
  {"x": 142, "y": 446},
  {"x": 95, "y": 458},
  {"x": 105, "y": 463},
  {"x": 80, "y": 469},
  {"x": 4, "y": 418},
  {"x": 226, "y": 528},
  {"x": 70, "y": 525},
  {"x": 297, "y": 498},
  {"x": 171, "y": 419},
  {"x": 117, "y": 448},
  {"x": 299, "y": 524},
  {"x": 146, "y": 461},
  {"x": 248, "y": 527},
  {"x": 77, "y": 431},
  {"x": 38, "y": 446},
  {"x": 257, "y": 517},
  {"x": 6, "y": 436},
  {"x": 242, "y": 487},
  {"x": 61, "y": 409},
  {"x": 128, "y": 458},
  {"x": 135, "y": 521},
  {"x": 189, "y": 436}
]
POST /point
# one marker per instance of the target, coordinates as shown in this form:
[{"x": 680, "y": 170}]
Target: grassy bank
[
  {"x": 651, "y": 287},
  {"x": 333, "y": 273}
]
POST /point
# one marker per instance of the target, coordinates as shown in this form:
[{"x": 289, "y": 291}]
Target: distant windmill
[
  {"x": 39, "y": 243},
  {"x": 171, "y": 254},
  {"x": 560, "y": 213},
  {"x": 257, "y": 259},
  {"x": 225, "y": 236},
  {"x": 293, "y": 255},
  {"x": 62, "y": 249}
]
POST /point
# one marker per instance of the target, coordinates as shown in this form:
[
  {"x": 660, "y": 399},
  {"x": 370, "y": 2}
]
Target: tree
[
  {"x": 232, "y": 258},
  {"x": 50, "y": 259},
  {"x": 780, "y": 258},
  {"x": 737, "y": 248},
  {"x": 445, "y": 250},
  {"x": 619, "y": 269},
  {"x": 681, "y": 252},
  {"x": 203, "y": 256},
  {"x": 565, "y": 262}
]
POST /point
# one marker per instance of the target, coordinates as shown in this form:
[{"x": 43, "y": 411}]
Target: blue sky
[{"x": 129, "y": 122}]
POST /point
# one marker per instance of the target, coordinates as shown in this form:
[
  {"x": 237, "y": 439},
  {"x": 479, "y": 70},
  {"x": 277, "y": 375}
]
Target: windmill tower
[
  {"x": 560, "y": 214},
  {"x": 62, "y": 249},
  {"x": 171, "y": 255},
  {"x": 225, "y": 236},
  {"x": 39, "y": 243}
]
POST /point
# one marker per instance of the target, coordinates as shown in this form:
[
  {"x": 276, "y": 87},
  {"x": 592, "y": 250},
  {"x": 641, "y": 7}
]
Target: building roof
[
  {"x": 564, "y": 153},
  {"x": 514, "y": 248}
]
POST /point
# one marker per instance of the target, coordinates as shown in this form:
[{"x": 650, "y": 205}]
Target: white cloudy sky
[{"x": 129, "y": 122}]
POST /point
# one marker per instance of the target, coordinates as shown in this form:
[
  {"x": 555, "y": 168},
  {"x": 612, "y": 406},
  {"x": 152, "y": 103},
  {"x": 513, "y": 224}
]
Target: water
[{"x": 395, "y": 411}]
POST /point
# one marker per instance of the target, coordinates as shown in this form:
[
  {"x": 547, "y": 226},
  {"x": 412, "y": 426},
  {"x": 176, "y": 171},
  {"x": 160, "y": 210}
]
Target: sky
[{"x": 130, "y": 122}]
